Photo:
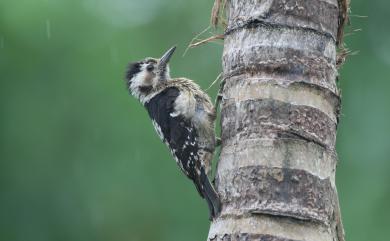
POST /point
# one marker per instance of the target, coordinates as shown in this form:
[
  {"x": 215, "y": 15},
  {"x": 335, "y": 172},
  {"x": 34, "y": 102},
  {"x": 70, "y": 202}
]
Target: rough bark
[{"x": 279, "y": 115}]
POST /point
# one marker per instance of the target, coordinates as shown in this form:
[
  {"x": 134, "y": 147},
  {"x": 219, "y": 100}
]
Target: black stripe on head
[{"x": 132, "y": 70}]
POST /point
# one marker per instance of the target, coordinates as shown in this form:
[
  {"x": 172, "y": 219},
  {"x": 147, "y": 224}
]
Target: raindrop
[
  {"x": 48, "y": 29},
  {"x": 125, "y": 13}
]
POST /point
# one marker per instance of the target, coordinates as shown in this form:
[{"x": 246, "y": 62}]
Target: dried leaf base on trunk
[{"x": 276, "y": 174}]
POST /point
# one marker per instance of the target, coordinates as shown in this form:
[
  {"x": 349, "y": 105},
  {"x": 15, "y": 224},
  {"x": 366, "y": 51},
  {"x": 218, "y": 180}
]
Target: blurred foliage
[{"x": 79, "y": 159}]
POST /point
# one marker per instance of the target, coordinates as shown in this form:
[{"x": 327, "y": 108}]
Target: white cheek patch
[
  {"x": 137, "y": 80},
  {"x": 143, "y": 78}
]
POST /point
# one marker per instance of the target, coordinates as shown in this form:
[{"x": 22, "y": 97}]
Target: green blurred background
[{"x": 79, "y": 159}]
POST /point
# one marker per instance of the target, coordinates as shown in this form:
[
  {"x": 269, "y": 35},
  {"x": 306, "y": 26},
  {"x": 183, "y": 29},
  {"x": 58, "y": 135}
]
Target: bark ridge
[{"x": 279, "y": 116}]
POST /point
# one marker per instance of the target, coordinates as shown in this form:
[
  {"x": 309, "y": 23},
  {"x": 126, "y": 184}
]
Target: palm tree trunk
[{"x": 279, "y": 114}]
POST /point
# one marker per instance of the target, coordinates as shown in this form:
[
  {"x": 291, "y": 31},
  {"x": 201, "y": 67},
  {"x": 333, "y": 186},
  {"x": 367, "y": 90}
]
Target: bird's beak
[{"x": 166, "y": 57}]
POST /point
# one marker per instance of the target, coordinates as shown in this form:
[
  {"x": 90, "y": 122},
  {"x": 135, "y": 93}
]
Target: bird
[{"x": 183, "y": 117}]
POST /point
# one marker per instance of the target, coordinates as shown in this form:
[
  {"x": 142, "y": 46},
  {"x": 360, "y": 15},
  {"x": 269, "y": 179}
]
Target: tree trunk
[{"x": 279, "y": 114}]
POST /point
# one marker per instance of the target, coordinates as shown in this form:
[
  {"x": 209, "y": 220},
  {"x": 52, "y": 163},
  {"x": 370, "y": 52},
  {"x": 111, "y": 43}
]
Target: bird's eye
[{"x": 150, "y": 68}]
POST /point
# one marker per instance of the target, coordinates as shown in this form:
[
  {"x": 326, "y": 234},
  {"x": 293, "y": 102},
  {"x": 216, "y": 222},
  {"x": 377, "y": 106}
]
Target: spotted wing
[
  {"x": 181, "y": 137},
  {"x": 176, "y": 131}
]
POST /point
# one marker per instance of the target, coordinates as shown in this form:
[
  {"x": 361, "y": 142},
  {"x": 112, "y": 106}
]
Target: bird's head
[{"x": 143, "y": 76}]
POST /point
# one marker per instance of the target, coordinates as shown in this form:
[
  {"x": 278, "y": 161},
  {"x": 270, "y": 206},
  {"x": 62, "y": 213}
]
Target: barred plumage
[{"x": 183, "y": 116}]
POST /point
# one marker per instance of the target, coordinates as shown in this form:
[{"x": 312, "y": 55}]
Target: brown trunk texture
[{"x": 279, "y": 115}]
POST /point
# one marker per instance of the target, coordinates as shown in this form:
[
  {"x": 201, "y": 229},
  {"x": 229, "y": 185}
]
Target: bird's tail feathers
[{"x": 208, "y": 192}]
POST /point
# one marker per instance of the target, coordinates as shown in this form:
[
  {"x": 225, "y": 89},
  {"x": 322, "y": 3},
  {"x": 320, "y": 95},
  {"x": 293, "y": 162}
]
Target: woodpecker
[{"x": 183, "y": 117}]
